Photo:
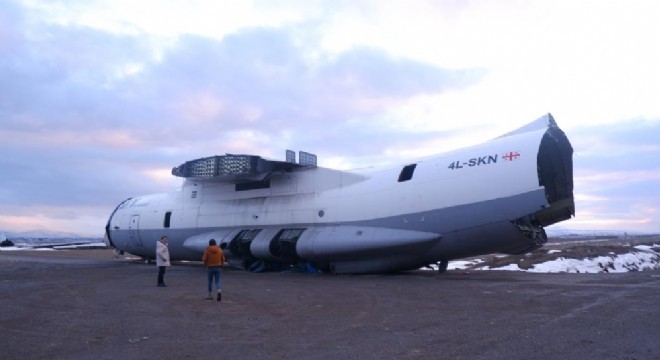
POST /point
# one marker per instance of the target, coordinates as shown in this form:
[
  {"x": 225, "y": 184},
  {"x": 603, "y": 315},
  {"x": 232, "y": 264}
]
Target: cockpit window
[{"x": 407, "y": 172}]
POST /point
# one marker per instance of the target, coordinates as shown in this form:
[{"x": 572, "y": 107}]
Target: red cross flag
[{"x": 511, "y": 155}]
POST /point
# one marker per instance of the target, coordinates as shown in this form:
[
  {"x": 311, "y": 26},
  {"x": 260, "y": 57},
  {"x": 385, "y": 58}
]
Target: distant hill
[
  {"x": 42, "y": 234},
  {"x": 561, "y": 232}
]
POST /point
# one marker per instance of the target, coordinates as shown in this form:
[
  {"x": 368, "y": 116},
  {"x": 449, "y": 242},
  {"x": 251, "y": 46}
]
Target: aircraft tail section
[{"x": 555, "y": 172}]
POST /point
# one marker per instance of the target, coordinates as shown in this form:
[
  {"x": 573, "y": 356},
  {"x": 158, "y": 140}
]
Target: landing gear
[{"x": 442, "y": 266}]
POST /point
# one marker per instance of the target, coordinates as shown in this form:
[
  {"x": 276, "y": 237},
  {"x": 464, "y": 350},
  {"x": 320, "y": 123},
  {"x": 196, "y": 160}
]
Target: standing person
[
  {"x": 214, "y": 258},
  {"x": 162, "y": 259}
]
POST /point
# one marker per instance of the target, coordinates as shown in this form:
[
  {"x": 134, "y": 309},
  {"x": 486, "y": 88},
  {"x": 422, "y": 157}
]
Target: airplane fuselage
[{"x": 493, "y": 197}]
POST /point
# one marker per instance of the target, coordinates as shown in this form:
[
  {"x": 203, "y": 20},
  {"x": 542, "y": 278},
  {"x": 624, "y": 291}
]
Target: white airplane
[{"x": 495, "y": 197}]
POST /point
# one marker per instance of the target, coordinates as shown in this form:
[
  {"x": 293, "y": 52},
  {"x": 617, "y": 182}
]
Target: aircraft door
[{"x": 133, "y": 233}]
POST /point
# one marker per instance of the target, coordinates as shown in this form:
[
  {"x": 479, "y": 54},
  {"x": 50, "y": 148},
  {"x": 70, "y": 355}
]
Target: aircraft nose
[{"x": 108, "y": 236}]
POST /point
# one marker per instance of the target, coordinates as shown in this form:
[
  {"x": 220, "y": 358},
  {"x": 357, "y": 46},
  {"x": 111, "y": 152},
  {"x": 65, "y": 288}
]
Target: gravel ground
[{"x": 88, "y": 305}]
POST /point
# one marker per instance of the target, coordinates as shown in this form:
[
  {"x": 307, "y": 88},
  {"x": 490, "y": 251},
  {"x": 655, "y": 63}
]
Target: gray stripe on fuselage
[
  {"x": 440, "y": 221},
  {"x": 464, "y": 216}
]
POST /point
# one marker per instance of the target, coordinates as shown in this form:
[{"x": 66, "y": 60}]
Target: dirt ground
[{"x": 85, "y": 304}]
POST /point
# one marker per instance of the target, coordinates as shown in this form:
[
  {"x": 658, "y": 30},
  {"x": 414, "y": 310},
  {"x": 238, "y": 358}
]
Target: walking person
[
  {"x": 162, "y": 259},
  {"x": 214, "y": 258}
]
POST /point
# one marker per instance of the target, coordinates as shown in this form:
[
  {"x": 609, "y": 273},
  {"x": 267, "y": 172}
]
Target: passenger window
[
  {"x": 407, "y": 172},
  {"x": 166, "y": 222}
]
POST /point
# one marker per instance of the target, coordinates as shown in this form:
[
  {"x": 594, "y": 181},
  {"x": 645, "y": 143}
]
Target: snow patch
[
  {"x": 462, "y": 264},
  {"x": 636, "y": 261}
]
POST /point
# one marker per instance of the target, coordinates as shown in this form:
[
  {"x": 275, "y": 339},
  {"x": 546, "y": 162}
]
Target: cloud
[
  {"x": 261, "y": 78},
  {"x": 92, "y": 117},
  {"x": 616, "y": 174},
  {"x": 627, "y": 145}
]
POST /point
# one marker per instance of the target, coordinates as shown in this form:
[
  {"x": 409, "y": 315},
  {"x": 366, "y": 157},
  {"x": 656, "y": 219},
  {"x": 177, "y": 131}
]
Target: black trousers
[{"x": 161, "y": 274}]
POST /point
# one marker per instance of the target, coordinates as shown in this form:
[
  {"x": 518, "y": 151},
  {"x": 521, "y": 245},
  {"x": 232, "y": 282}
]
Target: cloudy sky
[{"x": 100, "y": 99}]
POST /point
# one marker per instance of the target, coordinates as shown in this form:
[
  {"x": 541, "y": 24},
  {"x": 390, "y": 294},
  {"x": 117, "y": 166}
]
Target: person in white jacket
[{"x": 162, "y": 259}]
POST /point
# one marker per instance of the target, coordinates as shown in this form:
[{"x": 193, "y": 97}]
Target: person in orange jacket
[{"x": 214, "y": 259}]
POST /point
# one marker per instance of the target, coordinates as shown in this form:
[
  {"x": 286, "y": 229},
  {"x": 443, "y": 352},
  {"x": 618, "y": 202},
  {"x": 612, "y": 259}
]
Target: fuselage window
[
  {"x": 407, "y": 172},
  {"x": 166, "y": 222}
]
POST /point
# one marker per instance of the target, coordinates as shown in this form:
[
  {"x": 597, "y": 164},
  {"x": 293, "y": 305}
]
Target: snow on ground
[
  {"x": 21, "y": 248},
  {"x": 611, "y": 264},
  {"x": 641, "y": 257},
  {"x": 463, "y": 264}
]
